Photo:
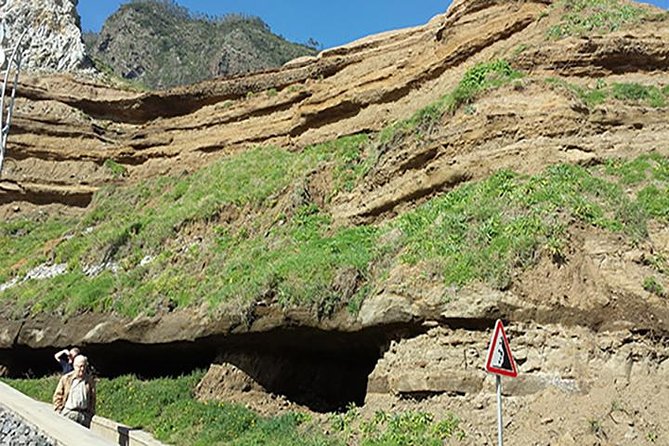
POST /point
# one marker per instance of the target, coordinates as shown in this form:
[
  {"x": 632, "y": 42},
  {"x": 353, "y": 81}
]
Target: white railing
[
  {"x": 9, "y": 71},
  {"x": 42, "y": 416}
]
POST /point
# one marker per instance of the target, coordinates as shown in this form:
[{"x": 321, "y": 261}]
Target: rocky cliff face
[
  {"x": 53, "y": 40},
  {"x": 95, "y": 172}
]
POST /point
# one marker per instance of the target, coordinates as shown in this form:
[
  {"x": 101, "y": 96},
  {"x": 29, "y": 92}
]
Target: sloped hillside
[
  {"x": 361, "y": 218},
  {"x": 160, "y": 44}
]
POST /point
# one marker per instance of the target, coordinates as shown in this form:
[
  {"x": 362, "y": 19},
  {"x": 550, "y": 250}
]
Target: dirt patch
[
  {"x": 227, "y": 383},
  {"x": 600, "y": 278},
  {"x": 611, "y": 383}
]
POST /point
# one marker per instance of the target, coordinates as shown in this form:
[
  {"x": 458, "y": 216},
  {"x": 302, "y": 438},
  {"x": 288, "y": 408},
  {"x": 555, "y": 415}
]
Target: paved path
[
  {"x": 63, "y": 431},
  {"x": 103, "y": 432}
]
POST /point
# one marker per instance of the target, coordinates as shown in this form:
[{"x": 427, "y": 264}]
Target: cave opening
[{"x": 325, "y": 371}]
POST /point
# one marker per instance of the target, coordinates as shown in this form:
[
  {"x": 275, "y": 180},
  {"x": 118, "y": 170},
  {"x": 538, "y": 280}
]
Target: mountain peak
[{"x": 161, "y": 44}]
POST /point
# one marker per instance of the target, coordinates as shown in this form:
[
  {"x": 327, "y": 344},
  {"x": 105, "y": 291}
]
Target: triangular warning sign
[{"x": 499, "y": 359}]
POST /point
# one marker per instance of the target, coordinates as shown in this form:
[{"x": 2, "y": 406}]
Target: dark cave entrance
[{"x": 322, "y": 370}]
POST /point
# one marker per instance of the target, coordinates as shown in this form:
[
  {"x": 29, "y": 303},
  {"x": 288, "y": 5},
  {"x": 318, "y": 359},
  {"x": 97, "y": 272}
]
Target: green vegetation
[
  {"x": 168, "y": 409},
  {"x": 595, "y": 427},
  {"x": 116, "y": 169},
  {"x": 481, "y": 231},
  {"x": 353, "y": 161},
  {"x": 116, "y": 80},
  {"x": 585, "y": 17},
  {"x": 255, "y": 226},
  {"x": 21, "y": 243},
  {"x": 261, "y": 235},
  {"x": 406, "y": 428},
  {"x": 642, "y": 93},
  {"x": 649, "y": 95},
  {"x": 289, "y": 252},
  {"x": 651, "y": 285},
  {"x": 519, "y": 49},
  {"x": 632, "y": 172},
  {"x": 481, "y": 77}
]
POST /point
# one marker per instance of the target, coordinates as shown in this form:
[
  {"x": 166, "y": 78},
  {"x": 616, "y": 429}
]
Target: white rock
[
  {"x": 53, "y": 40},
  {"x": 46, "y": 271}
]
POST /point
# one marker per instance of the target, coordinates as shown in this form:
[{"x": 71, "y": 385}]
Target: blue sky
[{"x": 331, "y": 23}]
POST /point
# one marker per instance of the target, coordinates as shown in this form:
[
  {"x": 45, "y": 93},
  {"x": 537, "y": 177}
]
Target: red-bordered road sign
[{"x": 500, "y": 360}]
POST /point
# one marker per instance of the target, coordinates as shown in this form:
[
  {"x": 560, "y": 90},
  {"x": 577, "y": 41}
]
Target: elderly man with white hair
[{"x": 75, "y": 395}]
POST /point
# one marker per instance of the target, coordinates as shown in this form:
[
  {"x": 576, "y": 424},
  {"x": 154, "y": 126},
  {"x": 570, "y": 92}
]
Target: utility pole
[{"x": 10, "y": 66}]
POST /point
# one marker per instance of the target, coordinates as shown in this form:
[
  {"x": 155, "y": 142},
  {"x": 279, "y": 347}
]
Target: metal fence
[{"x": 10, "y": 66}]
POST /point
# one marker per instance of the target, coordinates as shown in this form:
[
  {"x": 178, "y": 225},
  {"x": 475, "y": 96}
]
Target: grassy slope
[
  {"x": 166, "y": 408},
  {"x": 245, "y": 228},
  {"x": 585, "y": 17}
]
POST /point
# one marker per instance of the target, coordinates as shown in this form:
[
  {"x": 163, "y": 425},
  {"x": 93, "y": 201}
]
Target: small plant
[
  {"x": 595, "y": 426},
  {"x": 343, "y": 422},
  {"x": 481, "y": 77},
  {"x": 294, "y": 88},
  {"x": 116, "y": 169},
  {"x": 633, "y": 93},
  {"x": 616, "y": 406},
  {"x": 651, "y": 285},
  {"x": 518, "y": 50},
  {"x": 355, "y": 304},
  {"x": 585, "y": 17},
  {"x": 659, "y": 263},
  {"x": 637, "y": 92},
  {"x": 409, "y": 428},
  {"x": 556, "y": 245},
  {"x": 591, "y": 97},
  {"x": 224, "y": 105}
]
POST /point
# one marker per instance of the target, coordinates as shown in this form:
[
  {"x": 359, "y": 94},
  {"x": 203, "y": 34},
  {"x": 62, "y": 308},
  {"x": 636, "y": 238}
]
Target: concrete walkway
[
  {"x": 122, "y": 435},
  {"x": 64, "y": 432},
  {"x": 103, "y": 432}
]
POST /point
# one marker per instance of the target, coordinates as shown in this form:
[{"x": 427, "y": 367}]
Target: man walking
[{"x": 75, "y": 395}]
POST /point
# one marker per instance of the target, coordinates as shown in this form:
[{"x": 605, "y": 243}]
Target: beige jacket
[{"x": 63, "y": 391}]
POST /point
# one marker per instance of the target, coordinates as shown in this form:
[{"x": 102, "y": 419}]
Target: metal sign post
[
  {"x": 10, "y": 68},
  {"x": 499, "y": 361},
  {"x": 500, "y": 424}
]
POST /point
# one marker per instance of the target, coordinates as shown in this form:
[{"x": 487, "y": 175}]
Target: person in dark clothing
[{"x": 66, "y": 358}]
